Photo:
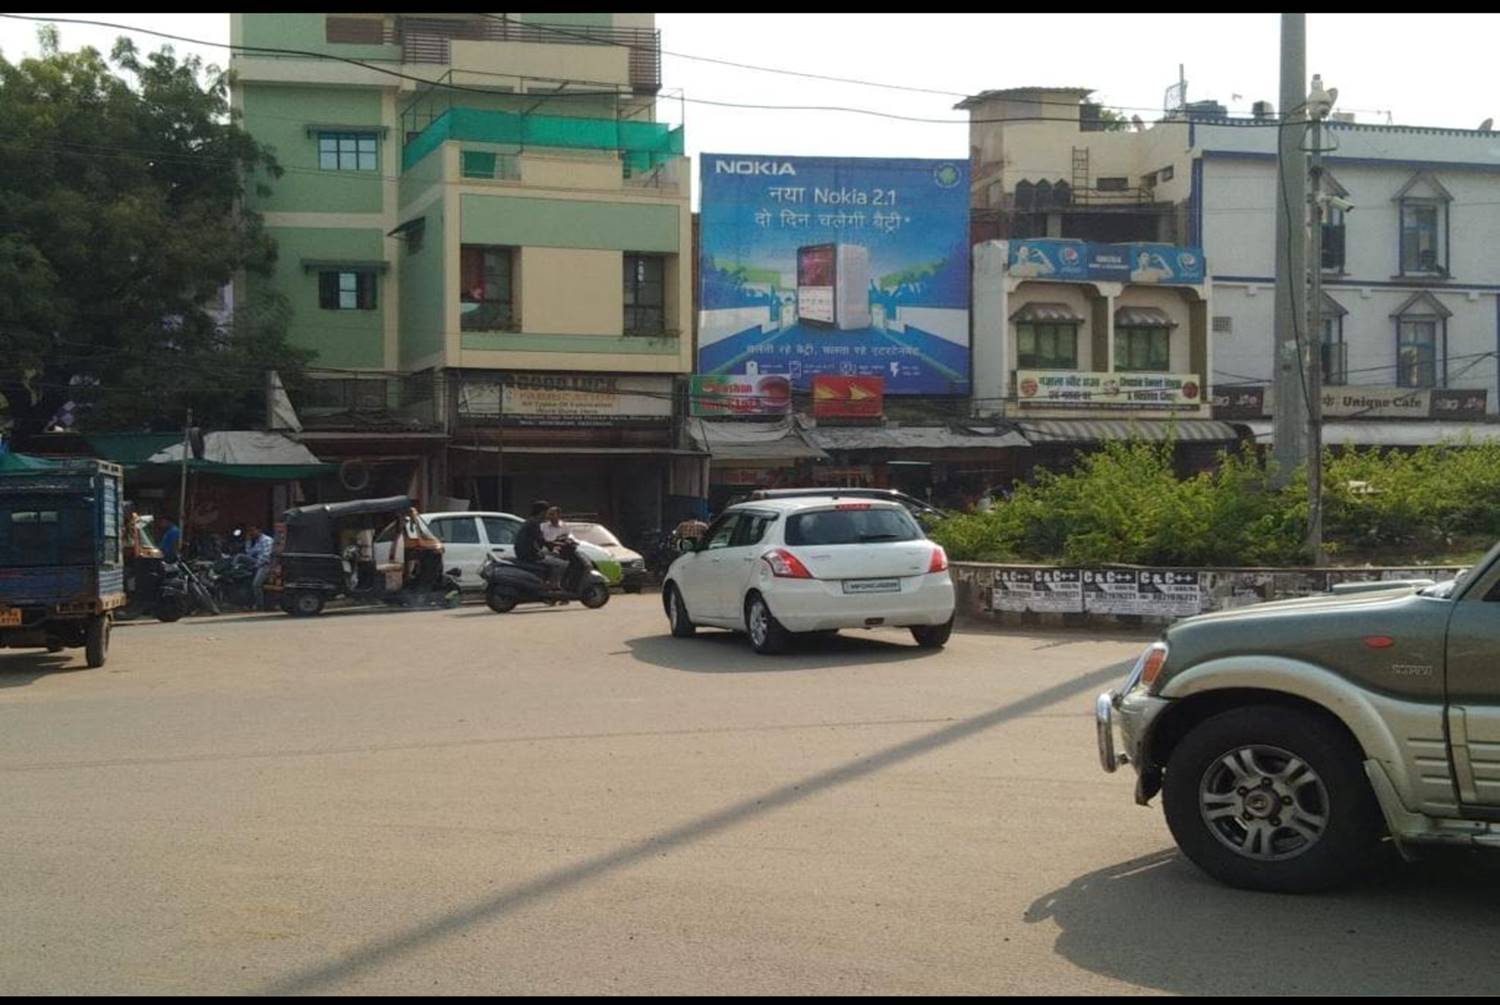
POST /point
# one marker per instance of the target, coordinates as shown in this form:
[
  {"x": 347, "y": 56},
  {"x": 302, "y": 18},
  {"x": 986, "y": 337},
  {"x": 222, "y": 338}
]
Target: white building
[{"x": 1411, "y": 315}]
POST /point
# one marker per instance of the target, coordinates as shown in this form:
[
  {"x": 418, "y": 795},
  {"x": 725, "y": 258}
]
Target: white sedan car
[{"x": 777, "y": 568}]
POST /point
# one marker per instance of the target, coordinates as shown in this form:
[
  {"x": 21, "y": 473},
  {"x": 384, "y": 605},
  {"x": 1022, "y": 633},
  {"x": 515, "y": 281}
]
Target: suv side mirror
[{"x": 686, "y": 544}]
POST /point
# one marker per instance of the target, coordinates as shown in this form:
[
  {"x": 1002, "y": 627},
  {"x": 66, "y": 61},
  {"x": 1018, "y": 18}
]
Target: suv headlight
[{"x": 1147, "y": 666}]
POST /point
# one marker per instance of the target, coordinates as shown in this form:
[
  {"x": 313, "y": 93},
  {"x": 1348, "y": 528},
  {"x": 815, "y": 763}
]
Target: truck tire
[
  {"x": 96, "y": 641},
  {"x": 1272, "y": 798}
]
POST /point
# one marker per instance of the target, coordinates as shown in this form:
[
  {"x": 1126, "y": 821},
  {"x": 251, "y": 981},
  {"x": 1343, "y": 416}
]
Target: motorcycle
[
  {"x": 509, "y": 582},
  {"x": 183, "y": 591},
  {"x": 233, "y": 581}
]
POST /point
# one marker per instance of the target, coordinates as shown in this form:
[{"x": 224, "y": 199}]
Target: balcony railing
[{"x": 427, "y": 40}]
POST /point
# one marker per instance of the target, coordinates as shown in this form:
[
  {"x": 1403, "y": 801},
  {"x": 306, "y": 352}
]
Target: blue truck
[{"x": 62, "y": 569}]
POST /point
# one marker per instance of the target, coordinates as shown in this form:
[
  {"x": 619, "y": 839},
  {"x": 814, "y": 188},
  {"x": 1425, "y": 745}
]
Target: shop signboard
[
  {"x": 1084, "y": 389},
  {"x": 740, "y": 394}
]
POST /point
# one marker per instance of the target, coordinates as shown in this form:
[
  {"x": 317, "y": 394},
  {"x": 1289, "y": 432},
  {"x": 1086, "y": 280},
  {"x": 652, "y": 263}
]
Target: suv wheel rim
[
  {"x": 759, "y": 622},
  {"x": 1263, "y": 802}
]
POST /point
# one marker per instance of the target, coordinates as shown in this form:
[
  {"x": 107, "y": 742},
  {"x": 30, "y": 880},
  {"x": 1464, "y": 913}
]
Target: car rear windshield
[{"x": 852, "y": 523}]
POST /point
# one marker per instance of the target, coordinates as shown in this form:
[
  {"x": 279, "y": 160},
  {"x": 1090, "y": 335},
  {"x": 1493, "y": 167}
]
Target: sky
[{"x": 1429, "y": 70}]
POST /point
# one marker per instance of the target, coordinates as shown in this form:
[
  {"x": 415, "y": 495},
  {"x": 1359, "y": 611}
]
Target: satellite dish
[{"x": 1487, "y": 125}]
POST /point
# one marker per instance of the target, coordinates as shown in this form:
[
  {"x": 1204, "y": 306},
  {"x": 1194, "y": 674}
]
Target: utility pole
[
  {"x": 1319, "y": 104},
  {"x": 1289, "y": 448},
  {"x": 182, "y": 522}
]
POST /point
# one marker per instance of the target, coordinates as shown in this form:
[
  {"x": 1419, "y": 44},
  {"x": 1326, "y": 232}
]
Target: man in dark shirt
[{"x": 531, "y": 544}]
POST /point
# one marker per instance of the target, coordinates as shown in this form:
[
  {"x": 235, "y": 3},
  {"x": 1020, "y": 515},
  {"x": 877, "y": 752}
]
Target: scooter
[{"x": 509, "y": 582}]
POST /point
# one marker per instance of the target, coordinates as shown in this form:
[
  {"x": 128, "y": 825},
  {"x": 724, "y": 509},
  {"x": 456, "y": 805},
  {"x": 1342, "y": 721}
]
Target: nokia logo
[{"x": 753, "y": 167}]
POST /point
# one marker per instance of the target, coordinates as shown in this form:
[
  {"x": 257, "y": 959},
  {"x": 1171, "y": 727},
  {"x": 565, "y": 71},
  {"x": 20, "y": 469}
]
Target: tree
[{"x": 122, "y": 218}]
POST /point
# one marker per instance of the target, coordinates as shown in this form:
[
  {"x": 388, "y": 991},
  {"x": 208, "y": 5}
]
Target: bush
[{"x": 1124, "y": 504}]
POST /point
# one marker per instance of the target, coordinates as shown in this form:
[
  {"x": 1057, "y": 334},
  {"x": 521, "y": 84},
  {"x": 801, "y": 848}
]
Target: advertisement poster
[
  {"x": 740, "y": 394},
  {"x": 1163, "y": 264},
  {"x": 848, "y": 397},
  {"x": 1064, "y": 388},
  {"x": 547, "y": 399},
  {"x": 833, "y": 266},
  {"x": 1110, "y": 591},
  {"x": 1057, "y": 590},
  {"x": 1174, "y": 594},
  {"x": 1012, "y": 590}
]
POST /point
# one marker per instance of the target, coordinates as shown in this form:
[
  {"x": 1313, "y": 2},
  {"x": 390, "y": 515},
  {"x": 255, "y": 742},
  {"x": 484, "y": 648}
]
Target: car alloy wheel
[{"x": 1264, "y": 803}]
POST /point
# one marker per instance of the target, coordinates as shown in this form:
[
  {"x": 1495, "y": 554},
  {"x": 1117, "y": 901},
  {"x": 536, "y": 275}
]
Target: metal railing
[{"x": 427, "y": 40}]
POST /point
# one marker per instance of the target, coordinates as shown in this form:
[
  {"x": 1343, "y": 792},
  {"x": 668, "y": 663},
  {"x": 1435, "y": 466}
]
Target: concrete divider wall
[{"x": 1131, "y": 595}]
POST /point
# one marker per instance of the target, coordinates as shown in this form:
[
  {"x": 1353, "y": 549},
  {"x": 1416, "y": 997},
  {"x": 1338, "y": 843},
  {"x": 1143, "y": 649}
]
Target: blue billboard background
[
  {"x": 1044, "y": 258},
  {"x": 898, "y": 231}
]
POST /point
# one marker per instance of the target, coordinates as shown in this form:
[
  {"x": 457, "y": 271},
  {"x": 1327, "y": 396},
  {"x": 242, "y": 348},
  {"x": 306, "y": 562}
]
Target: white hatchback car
[{"x": 775, "y": 568}]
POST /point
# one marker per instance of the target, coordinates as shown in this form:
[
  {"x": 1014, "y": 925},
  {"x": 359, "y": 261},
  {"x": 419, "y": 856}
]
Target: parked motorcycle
[
  {"x": 509, "y": 582},
  {"x": 183, "y": 591},
  {"x": 232, "y": 578}
]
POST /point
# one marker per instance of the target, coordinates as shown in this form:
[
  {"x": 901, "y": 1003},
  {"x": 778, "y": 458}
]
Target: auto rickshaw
[{"x": 332, "y": 550}]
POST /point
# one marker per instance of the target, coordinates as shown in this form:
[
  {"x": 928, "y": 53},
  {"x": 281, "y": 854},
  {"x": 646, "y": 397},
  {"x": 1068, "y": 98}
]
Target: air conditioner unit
[{"x": 833, "y": 285}]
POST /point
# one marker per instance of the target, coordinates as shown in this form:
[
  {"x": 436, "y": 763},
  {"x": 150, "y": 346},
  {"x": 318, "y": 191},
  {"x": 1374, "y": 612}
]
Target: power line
[{"x": 449, "y": 85}]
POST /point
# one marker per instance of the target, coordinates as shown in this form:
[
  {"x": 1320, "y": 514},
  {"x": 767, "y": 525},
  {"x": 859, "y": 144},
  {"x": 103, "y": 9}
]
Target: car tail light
[
  {"x": 786, "y": 565},
  {"x": 1151, "y": 663},
  {"x": 939, "y": 561}
]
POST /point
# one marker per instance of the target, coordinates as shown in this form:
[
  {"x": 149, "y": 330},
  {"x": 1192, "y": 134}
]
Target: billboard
[
  {"x": 1066, "y": 388},
  {"x": 1042, "y": 258},
  {"x": 740, "y": 394},
  {"x": 849, "y": 267},
  {"x": 847, "y": 397},
  {"x": 561, "y": 399}
]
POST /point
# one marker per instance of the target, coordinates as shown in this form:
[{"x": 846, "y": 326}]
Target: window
[
  {"x": 1166, "y": 173},
  {"x": 1113, "y": 184},
  {"x": 1143, "y": 348},
  {"x": 1334, "y": 352},
  {"x": 851, "y": 526},
  {"x": 487, "y": 298},
  {"x": 346, "y": 291},
  {"x": 479, "y": 164},
  {"x": 1333, "y": 241},
  {"x": 1223, "y": 324},
  {"x": 354, "y": 30},
  {"x": 1416, "y": 353},
  {"x": 751, "y": 530},
  {"x": 1047, "y": 346},
  {"x": 1419, "y": 237},
  {"x": 500, "y": 531},
  {"x": 456, "y": 530},
  {"x": 719, "y": 535},
  {"x": 347, "y": 152},
  {"x": 43, "y": 530},
  {"x": 645, "y": 295}
]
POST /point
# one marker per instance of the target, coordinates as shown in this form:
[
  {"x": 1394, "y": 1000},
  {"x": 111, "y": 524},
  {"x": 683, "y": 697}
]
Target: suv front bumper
[{"x": 1134, "y": 712}]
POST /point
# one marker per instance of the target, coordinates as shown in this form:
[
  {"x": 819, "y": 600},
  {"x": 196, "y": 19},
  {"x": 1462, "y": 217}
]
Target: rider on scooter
[{"x": 532, "y": 545}]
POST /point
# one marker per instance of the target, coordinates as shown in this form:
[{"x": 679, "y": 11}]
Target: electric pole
[
  {"x": 1290, "y": 382},
  {"x": 1319, "y": 104}
]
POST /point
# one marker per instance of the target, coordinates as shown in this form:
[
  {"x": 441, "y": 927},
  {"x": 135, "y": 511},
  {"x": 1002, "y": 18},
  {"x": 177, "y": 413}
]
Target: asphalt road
[{"x": 571, "y": 801}]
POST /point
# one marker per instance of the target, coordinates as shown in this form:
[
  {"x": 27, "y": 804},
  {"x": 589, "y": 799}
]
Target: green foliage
[
  {"x": 1123, "y": 504},
  {"x": 121, "y": 196}
]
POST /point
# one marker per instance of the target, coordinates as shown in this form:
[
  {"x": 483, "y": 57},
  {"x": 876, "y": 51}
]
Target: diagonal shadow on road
[{"x": 384, "y": 950}]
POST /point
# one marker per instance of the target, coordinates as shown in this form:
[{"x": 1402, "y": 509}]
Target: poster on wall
[
  {"x": 847, "y": 397},
  {"x": 1110, "y": 591},
  {"x": 1044, "y": 258},
  {"x": 1057, "y": 591},
  {"x": 1011, "y": 590},
  {"x": 740, "y": 394},
  {"x": 851, "y": 267}
]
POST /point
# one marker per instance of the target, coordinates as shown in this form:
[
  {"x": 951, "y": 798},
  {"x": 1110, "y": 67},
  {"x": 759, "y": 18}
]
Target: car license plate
[
  {"x": 872, "y": 586},
  {"x": 10, "y": 616}
]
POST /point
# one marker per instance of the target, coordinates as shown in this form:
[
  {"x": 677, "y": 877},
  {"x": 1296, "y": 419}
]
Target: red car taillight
[
  {"x": 786, "y": 565},
  {"x": 939, "y": 561}
]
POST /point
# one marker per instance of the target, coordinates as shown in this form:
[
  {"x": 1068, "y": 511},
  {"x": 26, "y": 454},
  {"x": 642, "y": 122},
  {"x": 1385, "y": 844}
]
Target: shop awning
[
  {"x": 1143, "y": 317},
  {"x": 1410, "y": 433},
  {"x": 585, "y": 451},
  {"x": 914, "y": 438},
  {"x": 130, "y": 448},
  {"x": 1046, "y": 314},
  {"x": 753, "y": 442},
  {"x": 1040, "y": 431}
]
